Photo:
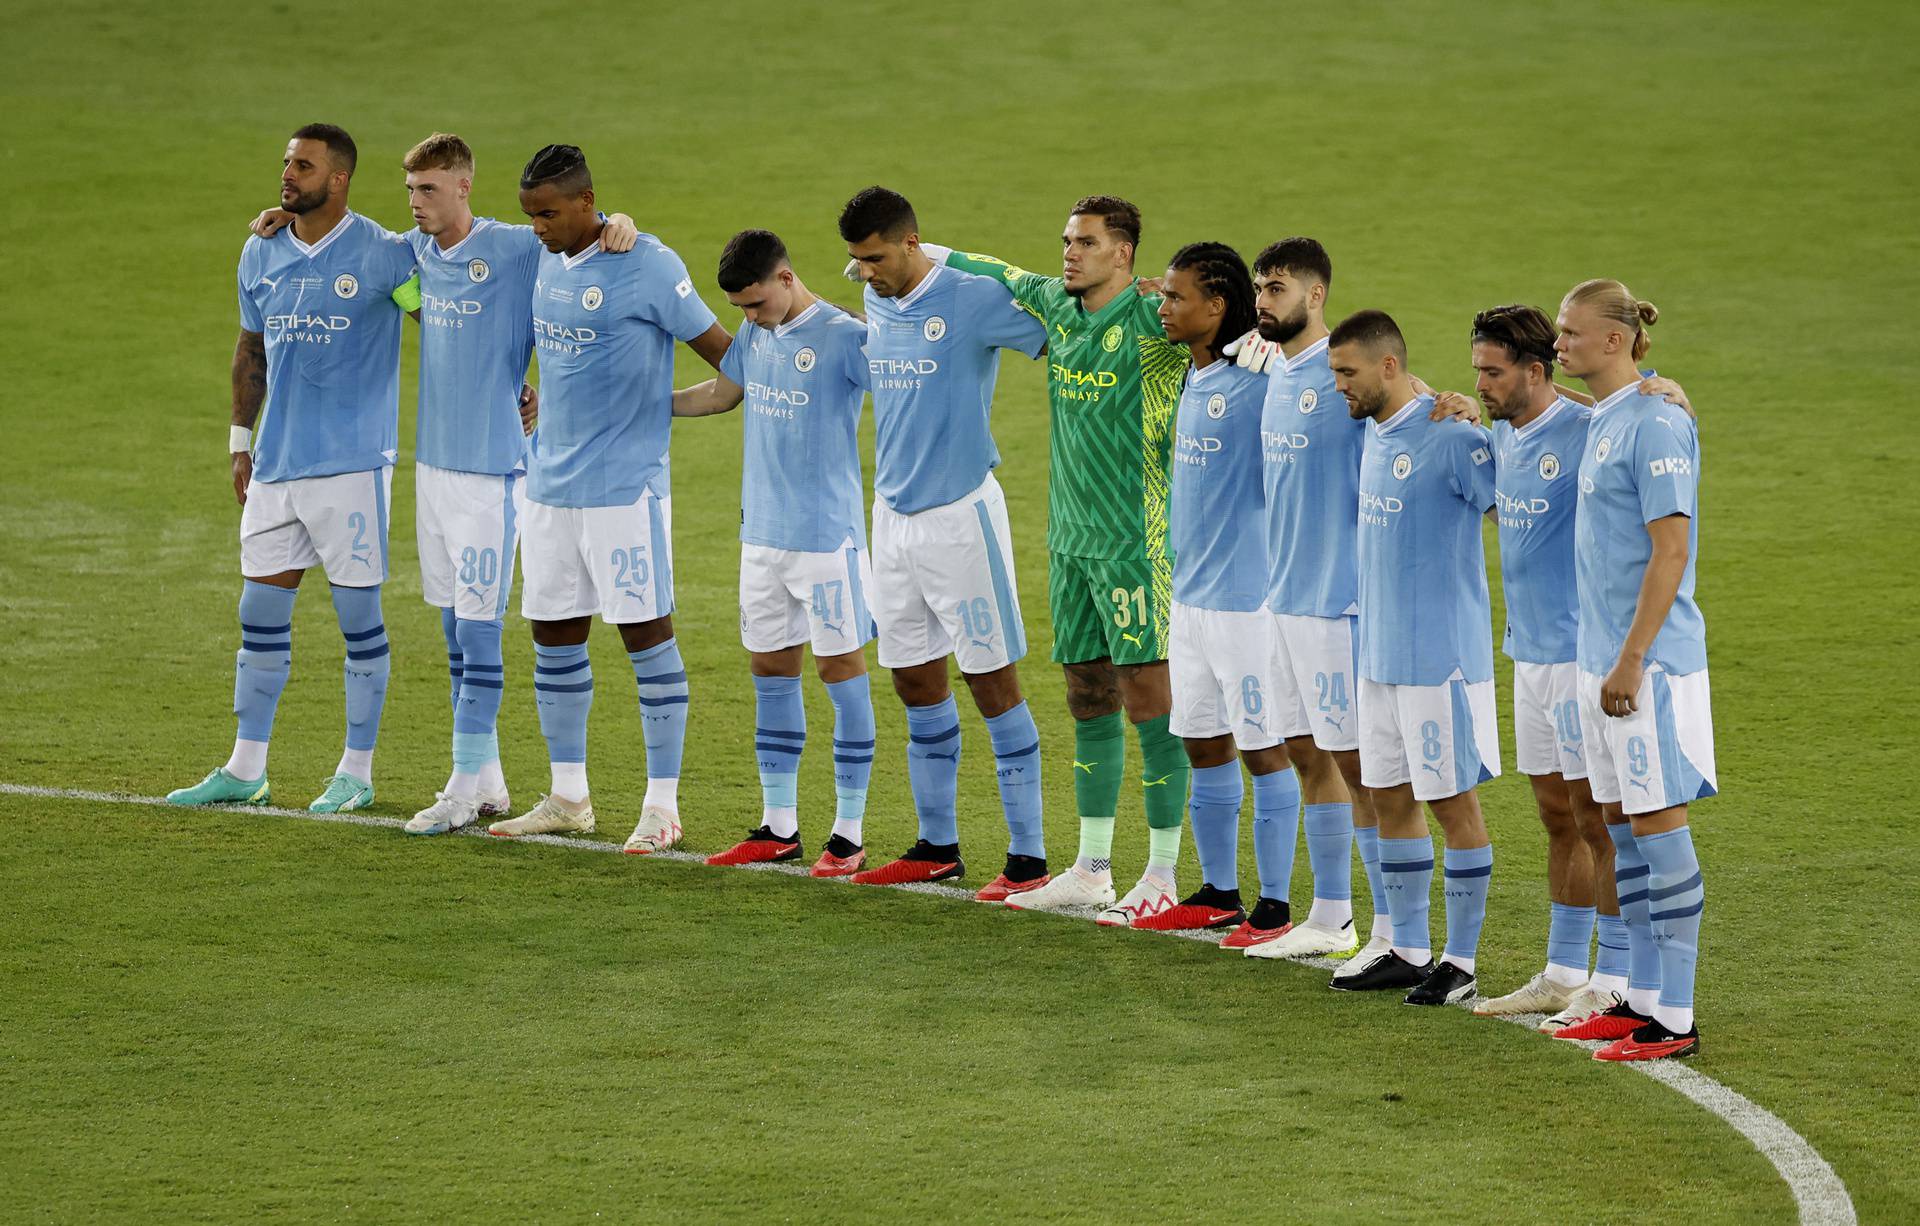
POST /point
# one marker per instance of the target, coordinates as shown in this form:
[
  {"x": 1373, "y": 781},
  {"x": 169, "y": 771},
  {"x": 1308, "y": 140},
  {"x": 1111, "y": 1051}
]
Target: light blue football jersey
[
  {"x": 476, "y": 338},
  {"x": 932, "y": 358},
  {"x": 1641, "y": 463},
  {"x": 332, "y": 332},
  {"x": 604, "y": 325},
  {"x": 1216, "y": 512},
  {"x": 1311, "y": 446},
  {"x": 1535, "y": 491},
  {"x": 800, "y": 478},
  {"x": 1424, "y": 611}
]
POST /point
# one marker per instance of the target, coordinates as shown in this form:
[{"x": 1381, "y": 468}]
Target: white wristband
[{"x": 239, "y": 438}]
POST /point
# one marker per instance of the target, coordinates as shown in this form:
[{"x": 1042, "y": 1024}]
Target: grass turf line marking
[{"x": 1817, "y": 1191}]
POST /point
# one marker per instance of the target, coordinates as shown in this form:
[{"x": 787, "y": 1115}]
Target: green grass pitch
[{"x": 223, "y": 1017}]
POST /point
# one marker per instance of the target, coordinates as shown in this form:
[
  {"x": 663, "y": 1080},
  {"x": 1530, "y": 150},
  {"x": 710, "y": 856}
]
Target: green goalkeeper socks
[
  {"x": 1163, "y": 776},
  {"x": 1099, "y": 752}
]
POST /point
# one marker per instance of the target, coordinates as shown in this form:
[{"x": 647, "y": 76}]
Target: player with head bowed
[
  {"x": 942, "y": 551},
  {"x": 1427, "y": 730},
  {"x": 1644, "y": 699},
  {"x": 317, "y": 368},
  {"x": 1221, "y": 645},
  {"x": 799, "y": 364},
  {"x": 1538, "y": 435},
  {"x": 1113, "y": 380},
  {"x": 597, "y": 530}
]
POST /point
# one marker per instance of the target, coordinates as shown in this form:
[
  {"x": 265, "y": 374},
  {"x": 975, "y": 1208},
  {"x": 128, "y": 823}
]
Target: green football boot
[
  {"x": 344, "y": 794},
  {"x": 221, "y": 788}
]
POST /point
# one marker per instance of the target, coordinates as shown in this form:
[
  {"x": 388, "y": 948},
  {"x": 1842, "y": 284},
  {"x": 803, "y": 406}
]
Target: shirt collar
[
  {"x": 326, "y": 240},
  {"x": 1212, "y": 368},
  {"x": 1405, "y": 413},
  {"x": 453, "y": 252},
  {"x": 1300, "y": 359},
  {"x": 571, "y": 262},
  {"x": 1616, "y": 398},
  {"x": 780, "y": 330},
  {"x": 906, "y": 301},
  {"x": 1546, "y": 415}
]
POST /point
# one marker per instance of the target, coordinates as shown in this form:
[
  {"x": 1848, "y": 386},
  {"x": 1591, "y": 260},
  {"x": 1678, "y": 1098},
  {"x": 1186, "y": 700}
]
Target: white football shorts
[
  {"x": 943, "y": 584},
  {"x": 1443, "y": 739},
  {"x": 337, "y": 522},
  {"x": 614, "y": 561},
  {"x": 1316, "y": 679},
  {"x": 468, "y": 527},
  {"x": 1546, "y": 720},
  {"x": 788, "y": 597},
  {"x": 1661, "y": 755},
  {"x": 1220, "y": 664}
]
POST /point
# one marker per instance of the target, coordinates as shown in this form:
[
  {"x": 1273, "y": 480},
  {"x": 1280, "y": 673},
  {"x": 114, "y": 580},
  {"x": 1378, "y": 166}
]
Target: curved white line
[{"x": 1820, "y": 1196}]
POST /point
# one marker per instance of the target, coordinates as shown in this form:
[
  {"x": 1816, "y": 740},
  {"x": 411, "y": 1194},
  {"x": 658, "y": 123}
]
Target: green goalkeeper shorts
[{"x": 1109, "y": 608}]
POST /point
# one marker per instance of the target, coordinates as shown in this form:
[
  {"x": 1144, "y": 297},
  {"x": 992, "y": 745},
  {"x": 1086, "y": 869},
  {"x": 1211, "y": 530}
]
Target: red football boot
[
  {"x": 923, "y": 862},
  {"x": 1270, "y": 921},
  {"x": 1022, "y": 873},
  {"x": 1609, "y": 1024},
  {"x": 842, "y": 858},
  {"x": 761, "y": 846},
  {"x": 1206, "y": 907},
  {"x": 1651, "y": 1042}
]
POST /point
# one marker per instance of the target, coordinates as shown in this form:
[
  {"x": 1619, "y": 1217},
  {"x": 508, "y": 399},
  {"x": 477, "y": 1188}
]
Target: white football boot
[
  {"x": 551, "y": 816},
  {"x": 1582, "y": 1005},
  {"x": 657, "y": 830},
  {"x": 1066, "y": 892},
  {"x": 1538, "y": 995},
  {"x": 446, "y": 814},
  {"x": 1150, "y": 897},
  {"x": 1307, "y": 940}
]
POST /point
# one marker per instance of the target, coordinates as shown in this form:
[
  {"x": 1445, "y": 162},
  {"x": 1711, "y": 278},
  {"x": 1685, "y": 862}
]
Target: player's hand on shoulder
[
  {"x": 619, "y": 234},
  {"x": 1146, "y": 287},
  {"x": 1252, "y": 352},
  {"x": 271, "y": 222},
  {"x": 1455, "y": 406},
  {"x": 1668, "y": 391}
]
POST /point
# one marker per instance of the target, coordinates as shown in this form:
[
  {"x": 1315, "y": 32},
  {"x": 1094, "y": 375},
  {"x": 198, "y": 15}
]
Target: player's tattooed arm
[
  {"x": 716, "y": 395},
  {"x": 712, "y": 344},
  {"x": 1667, "y": 565},
  {"x": 249, "y": 393}
]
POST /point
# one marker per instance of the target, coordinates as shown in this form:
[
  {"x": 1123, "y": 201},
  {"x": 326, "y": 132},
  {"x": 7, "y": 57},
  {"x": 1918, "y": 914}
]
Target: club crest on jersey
[
  {"x": 1308, "y": 398},
  {"x": 1549, "y": 466},
  {"x": 477, "y": 271},
  {"x": 1111, "y": 341},
  {"x": 803, "y": 361},
  {"x": 1216, "y": 406},
  {"x": 591, "y": 298},
  {"x": 1402, "y": 465},
  {"x": 346, "y": 285},
  {"x": 934, "y": 328},
  {"x": 1601, "y": 450}
]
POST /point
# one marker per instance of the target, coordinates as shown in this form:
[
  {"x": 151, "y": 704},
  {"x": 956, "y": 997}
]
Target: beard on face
[
  {"x": 1504, "y": 408},
  {"x": 307, "y": 202},
  {"x": 1280, "y": 331}
]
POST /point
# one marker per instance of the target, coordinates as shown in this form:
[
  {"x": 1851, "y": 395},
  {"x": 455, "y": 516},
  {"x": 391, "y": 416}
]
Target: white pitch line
[{"x": 1820, "y": 1196}]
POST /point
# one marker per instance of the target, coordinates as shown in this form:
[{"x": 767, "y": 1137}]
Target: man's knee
[{"x": 1091, "y": 689}]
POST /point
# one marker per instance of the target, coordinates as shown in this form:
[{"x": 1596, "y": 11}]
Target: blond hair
[
  {"x": 441, "y": 151},
  {"x": 1616, "y": 302}
]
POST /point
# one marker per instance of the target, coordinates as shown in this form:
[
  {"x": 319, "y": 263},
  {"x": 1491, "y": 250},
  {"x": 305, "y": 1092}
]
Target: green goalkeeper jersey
[{"x": 1113, "y": 380}]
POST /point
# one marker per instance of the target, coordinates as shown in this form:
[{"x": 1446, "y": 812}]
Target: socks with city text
[
  {"x": 563, "y": 693},
  {"x": 1016, "y": 761},
  {"x": 853, "y": 742},
  {"x": 1643, "y": 957},
  {"x": 260, "y": 670},
  {"x": 1569, "y": 933},
  {"x": 779, "y": 736},
  {"x": 662, "y": 680},
  {"x": 1406, "y": 870},
  {"x": 1276, "y": 826},
  {"x": 367, "y": 667},
  {"x": 1676, "y": 898},
  {"x": 1465, "y": 873},
  {"x": 476, "y": 710},
  {"x": 1215, "y": 813},
  {"x": 1330, "y": 854},
  {"x": 933, "y": 769}
]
